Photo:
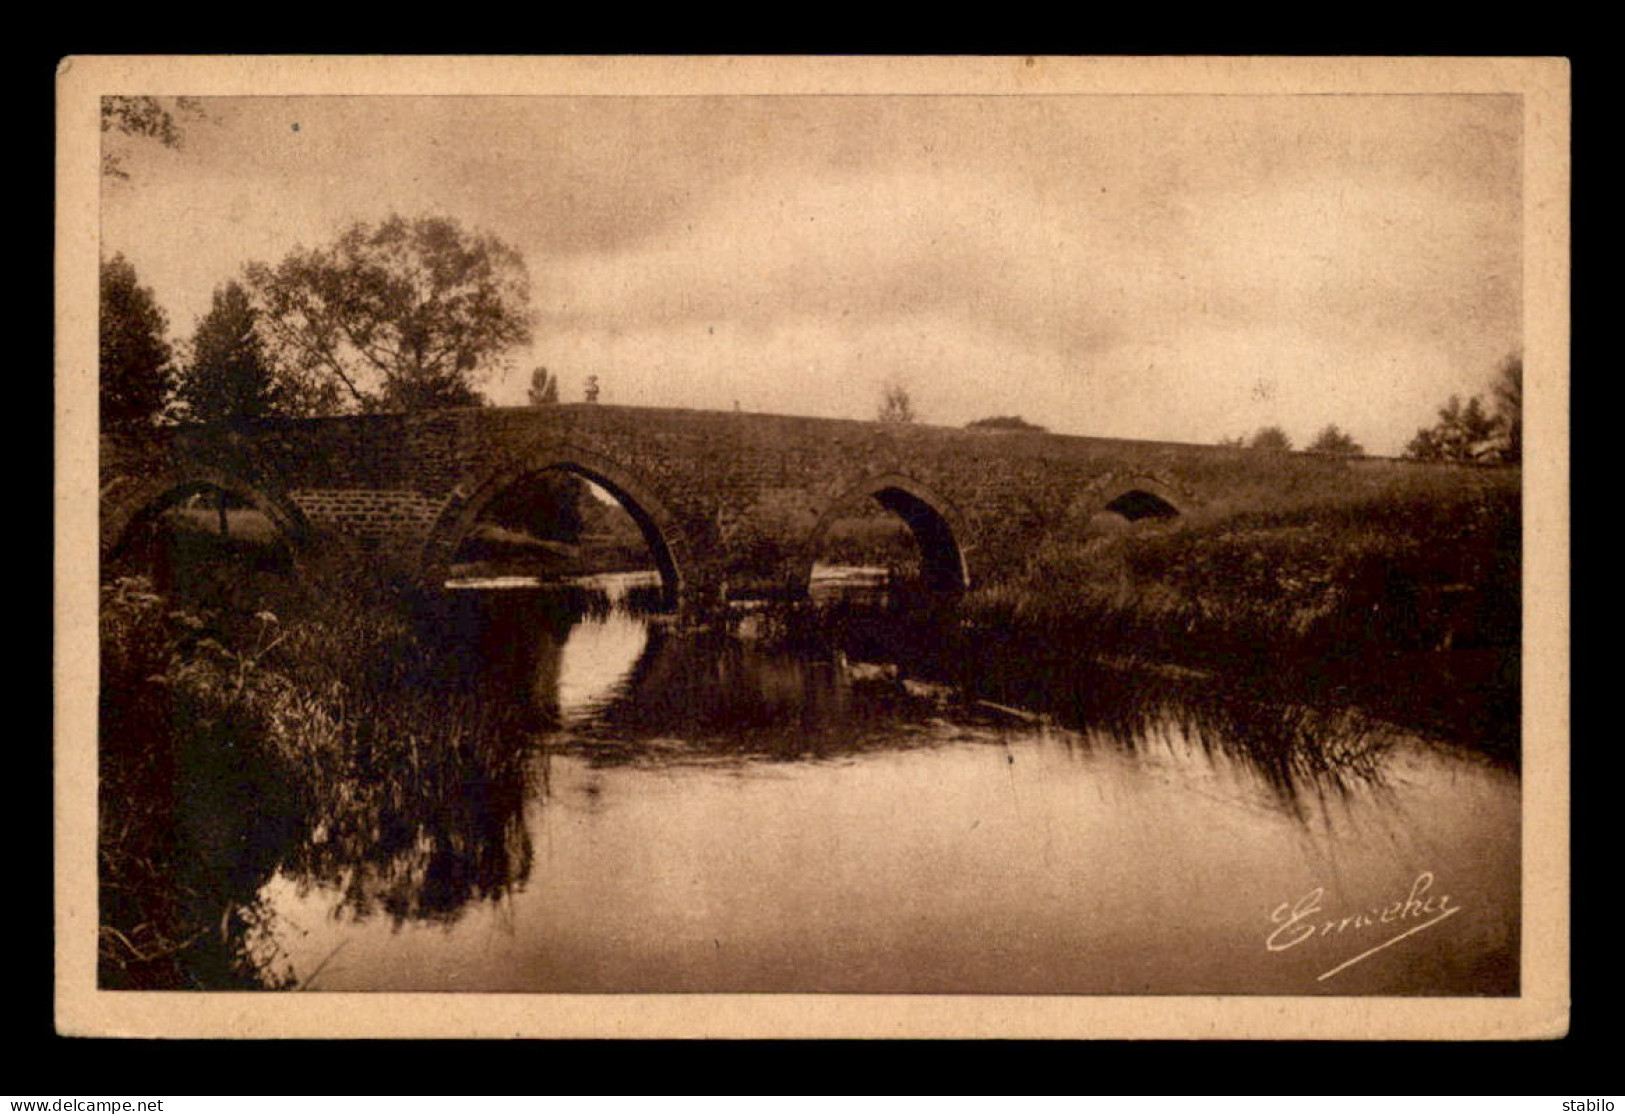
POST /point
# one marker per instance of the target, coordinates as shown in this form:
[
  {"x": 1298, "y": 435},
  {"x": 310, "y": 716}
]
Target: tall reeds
[{"x": 327, "y": 742}]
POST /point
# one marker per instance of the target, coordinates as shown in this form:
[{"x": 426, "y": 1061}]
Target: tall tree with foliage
[
  {"x": 544, "y": 388},
  {"x": 1462, "y": 433},
  {"x": 896, "y": 407},
  {"x": 229, "y": 376},
  {"x": 136, "y": 372},
  {"x": 1508, "y": 392},
  {"x": 401, "y": 315},
  {"x": 1335, "y": 442}
]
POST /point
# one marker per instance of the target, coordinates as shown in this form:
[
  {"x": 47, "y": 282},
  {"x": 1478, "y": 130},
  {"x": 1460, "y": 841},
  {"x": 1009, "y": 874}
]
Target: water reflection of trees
[
  {"x": 420, "y": 813},
  {"x": 415, "y": 827},
  {"x": 189, "y": 833},
  {"x": 425, "y": 814},
  {"x": 707, "y": 693},
  {"x": 1297, "y": 751},
  {"x": 191, "y": 815},
  {"x": 850, "y": 688},
  {"x": 1296, "y": 747}
]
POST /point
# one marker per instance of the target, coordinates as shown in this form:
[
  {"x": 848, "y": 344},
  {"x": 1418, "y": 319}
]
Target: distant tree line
[
  {"x": 1464, "y": 432},
  {"x": 1330, "y": 440}
]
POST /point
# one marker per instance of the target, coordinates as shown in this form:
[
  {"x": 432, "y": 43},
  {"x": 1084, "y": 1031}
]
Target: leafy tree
[
  {"x": 1461, "y": 433},
  {"x": 229, "y": 377},
  {"x": 1508, "y": 391},
  {"x": 1271, "y": 439},
  {"x": 896, "y": 407},
  {"x": 136, "y": 370},
  {"x": 1335, "y": 441},
  {"x": 544, "y": 388},
  {"x": 401, "y": 315},
  {"x": 1011, "y": 423},
  {"x": 1426, "y": 445}
]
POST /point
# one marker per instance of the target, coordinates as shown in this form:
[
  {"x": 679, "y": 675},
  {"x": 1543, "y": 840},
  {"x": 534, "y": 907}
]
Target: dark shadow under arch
[
  {"x": 936, "y": 526},
  {"x": 1136, "y": 497},
  {"x": 126, "y": 508},
  {"x": 1137, "y": 504},
  {"x": 659, "y": 527}
]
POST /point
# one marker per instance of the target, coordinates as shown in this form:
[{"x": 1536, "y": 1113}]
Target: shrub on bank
[{"x": 189, "y": 803}]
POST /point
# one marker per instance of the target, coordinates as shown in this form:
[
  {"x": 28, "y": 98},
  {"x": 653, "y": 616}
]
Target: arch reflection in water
[{"x": 596, "y": 661}]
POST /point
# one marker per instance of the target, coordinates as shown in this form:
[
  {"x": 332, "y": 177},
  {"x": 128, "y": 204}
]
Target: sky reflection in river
[{"x": 706, "y": 814}]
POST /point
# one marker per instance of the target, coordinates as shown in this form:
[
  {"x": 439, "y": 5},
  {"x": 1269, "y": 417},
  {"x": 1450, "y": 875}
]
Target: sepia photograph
[{"x": 1028, "y": 536}]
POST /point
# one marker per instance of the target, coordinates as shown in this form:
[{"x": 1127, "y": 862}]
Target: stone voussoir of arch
[
  {"x": 476, "y": 491},
  {"x": 870, "y": 486}
]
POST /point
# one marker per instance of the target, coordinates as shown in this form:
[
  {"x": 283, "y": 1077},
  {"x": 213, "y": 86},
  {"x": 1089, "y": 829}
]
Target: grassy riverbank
[{"x": 1343, "y": 576}]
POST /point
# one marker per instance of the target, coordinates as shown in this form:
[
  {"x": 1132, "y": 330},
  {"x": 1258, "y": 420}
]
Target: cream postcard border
[{"x": 1541, "y": 1011}]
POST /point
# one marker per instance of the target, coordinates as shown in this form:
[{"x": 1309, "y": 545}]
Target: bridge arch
[
  {"x": 129, "y": 503},
  {"x": 936, "y": 524},
  {"x": 662, "y": 532},
  {"x": 1135, "y": 497}
]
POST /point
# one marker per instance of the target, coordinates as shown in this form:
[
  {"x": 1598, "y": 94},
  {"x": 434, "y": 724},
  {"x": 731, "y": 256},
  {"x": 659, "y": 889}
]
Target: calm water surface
[{"x": 713, "y": 811}]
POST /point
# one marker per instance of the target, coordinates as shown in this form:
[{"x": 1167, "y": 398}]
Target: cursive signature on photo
[{"x": 1306, "y": 919}]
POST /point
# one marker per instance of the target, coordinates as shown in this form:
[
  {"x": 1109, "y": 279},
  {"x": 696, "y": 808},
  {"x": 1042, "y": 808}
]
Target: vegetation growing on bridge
[{"x": 896, "y": 406}]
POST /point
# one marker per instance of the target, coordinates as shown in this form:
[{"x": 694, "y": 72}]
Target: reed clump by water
[{"x": 325, "y": 741}]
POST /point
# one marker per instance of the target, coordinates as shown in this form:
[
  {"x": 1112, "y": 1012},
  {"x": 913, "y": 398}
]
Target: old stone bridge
[{"x": 729, "y": 503}]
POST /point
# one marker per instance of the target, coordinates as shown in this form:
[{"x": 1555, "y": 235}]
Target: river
[{"x": 730, "y": 811}]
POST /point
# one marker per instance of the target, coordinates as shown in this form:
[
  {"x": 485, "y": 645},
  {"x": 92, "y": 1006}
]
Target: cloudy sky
[{"x": 1166, "y": 267}]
